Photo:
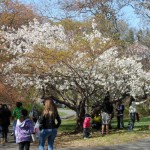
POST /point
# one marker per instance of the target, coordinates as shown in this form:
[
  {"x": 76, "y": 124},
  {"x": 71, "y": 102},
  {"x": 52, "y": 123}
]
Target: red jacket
[{"x": 86, "y": 122}]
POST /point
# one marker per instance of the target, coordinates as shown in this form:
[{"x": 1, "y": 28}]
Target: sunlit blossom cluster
[
  {"x": 105, "y": 72},
  {"x": 26, "y": 38}
]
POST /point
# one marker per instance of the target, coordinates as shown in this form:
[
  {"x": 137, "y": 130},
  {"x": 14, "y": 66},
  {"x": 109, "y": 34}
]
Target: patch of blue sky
[{"x": 127, "y": 13}]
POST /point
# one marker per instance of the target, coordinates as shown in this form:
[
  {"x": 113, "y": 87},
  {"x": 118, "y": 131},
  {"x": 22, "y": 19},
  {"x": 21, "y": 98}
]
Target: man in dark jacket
[{"x": 120, "y": 111}]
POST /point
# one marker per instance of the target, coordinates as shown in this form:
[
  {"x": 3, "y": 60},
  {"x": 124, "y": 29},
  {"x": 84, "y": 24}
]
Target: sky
[
  {"x": 131, "y": 18},
  {"x": 128, "y": 14}
]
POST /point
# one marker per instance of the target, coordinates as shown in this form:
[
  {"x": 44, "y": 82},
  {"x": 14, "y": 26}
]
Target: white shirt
[{"x": 132, "y": 108}]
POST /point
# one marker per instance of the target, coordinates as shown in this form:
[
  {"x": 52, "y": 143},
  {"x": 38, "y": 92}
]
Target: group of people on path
[
  {"x": 101, "y": 117},
  {"x": 24, "y": 126}
]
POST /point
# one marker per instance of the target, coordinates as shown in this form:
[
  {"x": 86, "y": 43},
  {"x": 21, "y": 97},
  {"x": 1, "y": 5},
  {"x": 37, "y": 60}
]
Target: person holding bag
[
  {"x": 48, "y": 126},
  {"x": 133, "y": 110}
]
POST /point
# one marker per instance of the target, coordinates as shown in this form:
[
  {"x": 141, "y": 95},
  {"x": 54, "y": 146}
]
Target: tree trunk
[{"x": 80, "y": 117}]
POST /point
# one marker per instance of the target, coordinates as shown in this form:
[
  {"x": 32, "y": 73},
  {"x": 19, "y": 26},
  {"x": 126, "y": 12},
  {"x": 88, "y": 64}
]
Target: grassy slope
[{"x": 115, "y": 136}]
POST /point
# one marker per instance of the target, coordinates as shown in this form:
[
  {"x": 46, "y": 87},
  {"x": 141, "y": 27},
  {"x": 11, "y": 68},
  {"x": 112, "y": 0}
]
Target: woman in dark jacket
[
  {"x": 48, "y": 126},
  {"x": 6, "y": 115}
]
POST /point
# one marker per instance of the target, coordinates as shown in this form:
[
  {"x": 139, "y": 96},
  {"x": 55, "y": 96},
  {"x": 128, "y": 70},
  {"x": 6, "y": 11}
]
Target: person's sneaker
[{"x": 85, "y": 138}]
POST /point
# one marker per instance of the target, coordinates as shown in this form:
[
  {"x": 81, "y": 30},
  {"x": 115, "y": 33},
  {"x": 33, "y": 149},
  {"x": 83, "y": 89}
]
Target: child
[
  {"x": 86, "y": 126},
  {"x": 23, "y": 131},
  {"x": 97, "y": 122}
]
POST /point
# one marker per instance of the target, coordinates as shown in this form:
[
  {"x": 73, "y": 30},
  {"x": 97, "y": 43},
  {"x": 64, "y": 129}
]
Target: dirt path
[{"x": 138, "y": 145}]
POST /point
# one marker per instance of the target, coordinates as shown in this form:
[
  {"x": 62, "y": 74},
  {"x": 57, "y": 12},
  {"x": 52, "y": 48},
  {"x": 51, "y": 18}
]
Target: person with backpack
[
  {"x": 24, "y": 130},
  {"x": 16, "y": 115}
]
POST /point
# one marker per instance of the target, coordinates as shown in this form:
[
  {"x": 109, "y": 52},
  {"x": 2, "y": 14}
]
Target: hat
[{"x": 87, "y": 115}]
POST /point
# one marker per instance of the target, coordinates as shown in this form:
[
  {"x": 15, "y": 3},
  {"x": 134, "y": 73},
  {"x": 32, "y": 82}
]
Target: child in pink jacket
[{"x": 86, "y": 126}]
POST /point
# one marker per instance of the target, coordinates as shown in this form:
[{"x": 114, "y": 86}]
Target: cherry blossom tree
[{"x": 75, "y": 70}]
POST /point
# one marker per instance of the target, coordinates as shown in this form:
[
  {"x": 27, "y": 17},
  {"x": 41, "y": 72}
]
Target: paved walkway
[
  {"x": 138, "y": 145},
  {"x": 68, "y": 112}
]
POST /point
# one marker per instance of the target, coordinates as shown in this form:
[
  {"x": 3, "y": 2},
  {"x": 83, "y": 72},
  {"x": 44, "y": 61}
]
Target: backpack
[
  {"x": 130, "y": 127},
  {"x": 34, "y": 113}
]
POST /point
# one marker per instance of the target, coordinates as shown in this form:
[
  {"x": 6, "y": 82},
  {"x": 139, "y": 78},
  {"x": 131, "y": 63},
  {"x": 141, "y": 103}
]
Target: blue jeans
[
  {"x": 14, "y": 125},
  {"x": 49, "y": 134},
  {"x": 14, "y": 128},
  {"x": 120, "y": 123},
  {"x": 132, "y": 116}
]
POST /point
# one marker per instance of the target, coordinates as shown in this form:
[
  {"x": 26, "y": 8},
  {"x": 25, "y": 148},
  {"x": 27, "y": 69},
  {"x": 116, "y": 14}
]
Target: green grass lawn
[
  {"x": 69, "y": 124},
  {"x": 114, "y": 137},
  {"x": 139, "y": 126}
]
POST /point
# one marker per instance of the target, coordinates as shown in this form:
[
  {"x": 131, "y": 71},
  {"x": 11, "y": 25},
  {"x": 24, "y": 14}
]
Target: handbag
[
  {"x": 33, "y": 137},
  {"x": 37, "y": 130}
]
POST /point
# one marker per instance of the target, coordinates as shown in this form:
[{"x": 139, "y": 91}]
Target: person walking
[
  {"x": 86, "y": 126},
  {"x": 120, "y": 113},
  {"x": 133, "y": 110},
  {"x": 24, "y": 130},
  {"x": 48, "y": 126},
  {"x": 6, "y": 115},
  {"x": 16, "y": 115}
]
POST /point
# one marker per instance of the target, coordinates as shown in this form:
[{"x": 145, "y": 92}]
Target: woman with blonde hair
[{"x": 48, "y": 125}]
